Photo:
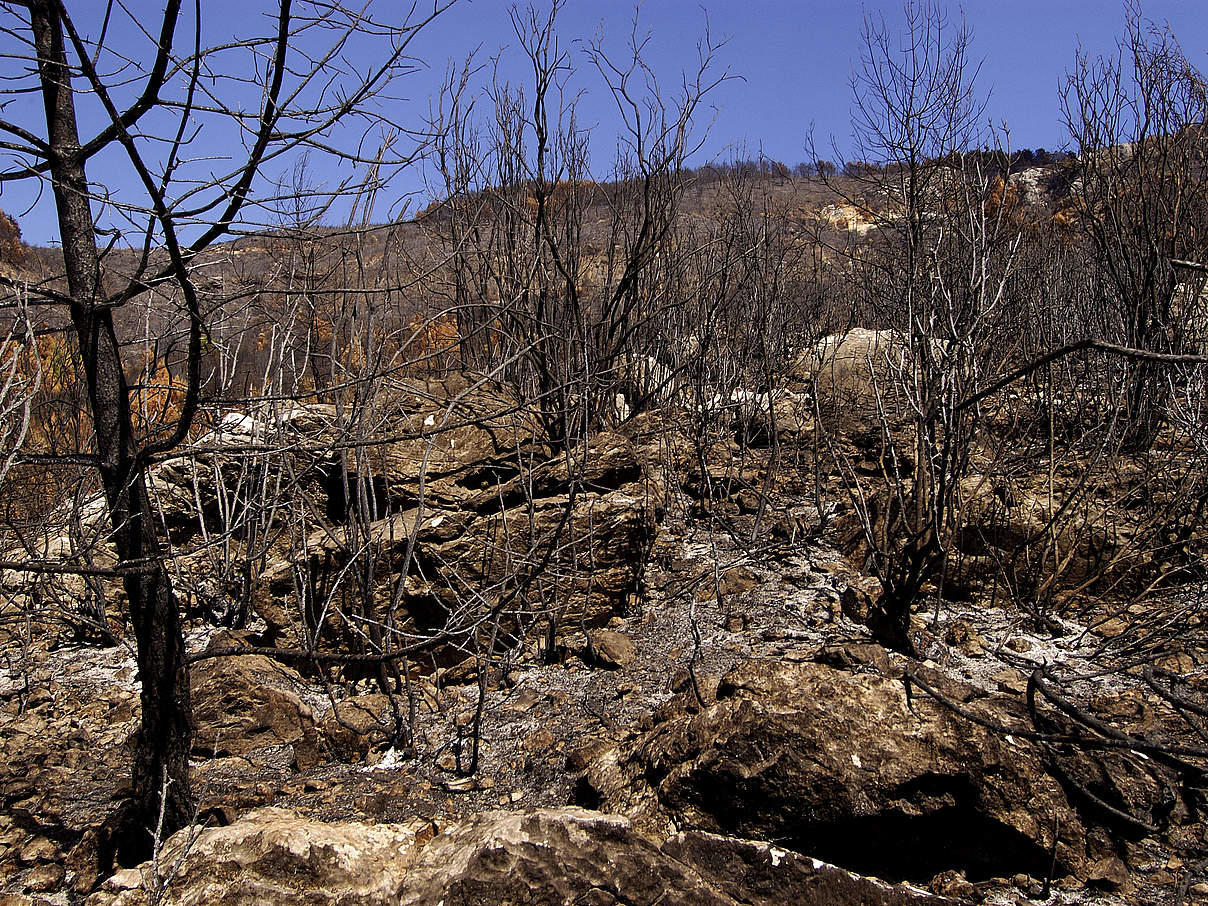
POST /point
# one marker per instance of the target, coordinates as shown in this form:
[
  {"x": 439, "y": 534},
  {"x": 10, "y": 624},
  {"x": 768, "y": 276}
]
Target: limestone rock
[
  {"x": 272, "y": 856},
  {"x": 610, "y": 649},
  {"x": 573, "y": 856},
  {"x": 244, "y": 704},
  {"x": 911, "y": 791},
  {"x": 561, "y": 856},
  {"x": 355, "y": 725},
  {"x": 557, "y": 857},
  {"x": 591, "y": 522},
  {"x": 762, "y": 874},
  {"x": 1109, "y": 873},
  {"x": 859, "y": 373}
]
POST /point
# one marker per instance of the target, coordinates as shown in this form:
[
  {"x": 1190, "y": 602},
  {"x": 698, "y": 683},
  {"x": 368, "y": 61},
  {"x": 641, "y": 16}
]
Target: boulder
[
  {"x": 572, "y": 856},
  {"x": 270, "y": 857},
  {"x": 556, "y": 857},
  {"x": 559, "y": 856},
  {"x": 570, "y": 535},
  {"x": 845, "y": 767},
  {"x": 756, "y": 873},
  {"x": 862, "y": 375},
  {"x": 246, "y": 704},
  {"x": 609, "y": 649}
]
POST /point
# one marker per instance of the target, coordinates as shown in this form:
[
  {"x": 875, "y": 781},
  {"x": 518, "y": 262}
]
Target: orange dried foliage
[
  {"x": 435, "y": 342},
  {"x": 53, "y": 359},
  {"x": 1068, "y": 216},
  {"x": 1003, "y": 198},
  {"x": 12, "y": 249},
  {"x": 158, "y": 398}
]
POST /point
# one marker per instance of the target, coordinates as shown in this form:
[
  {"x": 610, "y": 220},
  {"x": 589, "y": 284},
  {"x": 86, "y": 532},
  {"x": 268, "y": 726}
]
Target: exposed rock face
[
  {"x": 557, "y": 857},
  {"x": 271, "y": 857},
  {"x": 760, "y": 874},
  {"x": 573, "y": 856},
  {"x": 353, "y": 726},
  {"x": 61, "y": 747},
  {"x": 906, "y": 792},
  {"x": 860, "y": 375},
  {"x": 442, "y": 502},
  {"x": 435, "y": 505},
  {"x": 244, "y": 704},
  {"x": 462, "y": 436},
  {"x": 570, "y": 536},
  {"x": 1006, "y": 522}
]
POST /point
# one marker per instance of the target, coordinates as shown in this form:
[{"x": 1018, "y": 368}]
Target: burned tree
[
  {"x": 99, "y": 104},
  {"x": 1137, "y": 121}
]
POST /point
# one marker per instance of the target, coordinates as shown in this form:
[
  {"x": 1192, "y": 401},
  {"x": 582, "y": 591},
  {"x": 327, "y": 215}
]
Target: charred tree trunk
[{"x": 161, "y": 761}]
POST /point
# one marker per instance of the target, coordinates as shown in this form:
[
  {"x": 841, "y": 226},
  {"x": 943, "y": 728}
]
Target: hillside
[
  {"x": 607, "y": 531},
  {"x": 671, "y": 613}
]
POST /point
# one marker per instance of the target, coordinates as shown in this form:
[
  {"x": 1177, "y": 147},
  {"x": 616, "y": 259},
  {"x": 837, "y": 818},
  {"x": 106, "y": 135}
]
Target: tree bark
[{"x": 161, "y": 760}]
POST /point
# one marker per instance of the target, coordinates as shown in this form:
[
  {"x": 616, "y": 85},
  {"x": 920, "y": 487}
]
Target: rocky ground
[
  {"x": 726, "y": 734},
  {"x": 734, "y": 693}
]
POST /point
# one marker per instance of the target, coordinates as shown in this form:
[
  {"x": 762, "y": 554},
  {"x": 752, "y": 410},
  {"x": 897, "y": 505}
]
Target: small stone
[
  {"x": 610, "y": 649},
  {"x": 962, "y": 636},
  {"x": 737, "y": 581},
  {"x": 951, "y": 884},
  {"x": 461, "y": 785},
  {"x": 680, "y": 681},
  {"x": 125, "y": 879},
  {"x": 539, "y": 741},
  {"x": 1109, "y": 629},
  {"x": 1028, "y": 885},
  {"x": 1109, "y": 873},
  {"x": 748, "y": 501},
  {"x": 524, "y": 701},
  {"x": 1176, "y": 663},
  {"x": 584, "y": 753},
  {"x": 39, "y": 849},
  {"x": 45, "y": 878},
  {"x": 1011, "y": 681},
  {"x": 855, "y": 656}
]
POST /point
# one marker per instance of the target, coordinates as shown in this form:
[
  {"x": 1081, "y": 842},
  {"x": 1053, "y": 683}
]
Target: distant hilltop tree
[{"x": 12, "y": 249}]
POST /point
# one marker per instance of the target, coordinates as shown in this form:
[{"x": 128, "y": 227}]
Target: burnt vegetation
[{"x": 399, "y": 453}]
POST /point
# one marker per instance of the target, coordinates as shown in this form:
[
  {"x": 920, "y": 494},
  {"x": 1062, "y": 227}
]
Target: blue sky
[{"x": 791, "y": 62}]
